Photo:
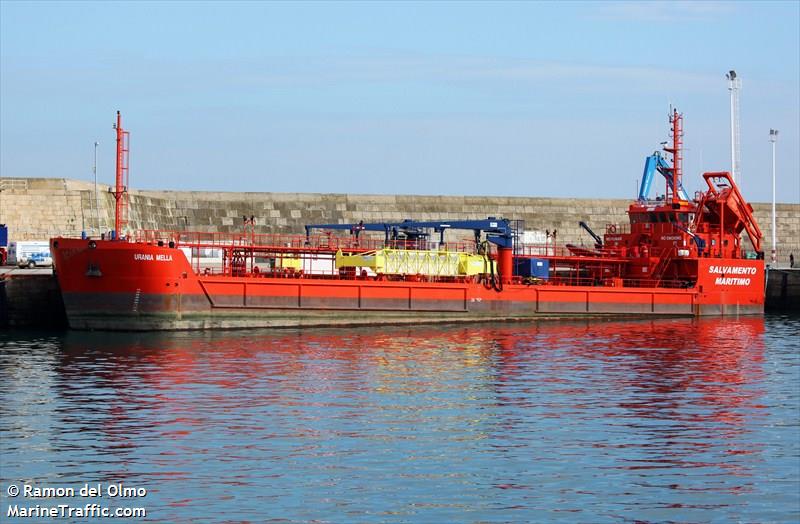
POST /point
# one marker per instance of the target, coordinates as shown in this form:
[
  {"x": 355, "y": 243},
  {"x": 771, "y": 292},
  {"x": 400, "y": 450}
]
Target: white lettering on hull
[
  {"x": 152, "y": 258},
  {"x": 732, "y": 281},
  {"x": 732, "y": 275},
  {"x": 731, "y": 270}
]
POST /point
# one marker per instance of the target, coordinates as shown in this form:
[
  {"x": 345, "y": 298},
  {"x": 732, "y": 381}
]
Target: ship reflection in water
[{"x": 665, "y": 420}]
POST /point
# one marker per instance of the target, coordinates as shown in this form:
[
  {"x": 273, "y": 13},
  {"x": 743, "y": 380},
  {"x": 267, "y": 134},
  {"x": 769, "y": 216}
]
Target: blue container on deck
[{"x": 532, "y": 267}]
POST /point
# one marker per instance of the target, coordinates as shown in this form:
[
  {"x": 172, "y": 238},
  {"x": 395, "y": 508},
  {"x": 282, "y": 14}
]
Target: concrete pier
[
  {"x": 783, "y": 290},
  {"x": 30, "y": 299}
]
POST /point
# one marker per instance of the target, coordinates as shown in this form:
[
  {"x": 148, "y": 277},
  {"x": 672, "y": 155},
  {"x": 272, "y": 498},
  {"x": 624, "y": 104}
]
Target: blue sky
[{"x": 521, "y": 99}]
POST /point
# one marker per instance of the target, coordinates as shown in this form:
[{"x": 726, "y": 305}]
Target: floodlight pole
[
  {"x": 734, "y": 85},
  {"x": 773, "y": 137}
]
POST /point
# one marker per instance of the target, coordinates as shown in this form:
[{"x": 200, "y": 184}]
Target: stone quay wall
[{"x": 40, "y": 208}]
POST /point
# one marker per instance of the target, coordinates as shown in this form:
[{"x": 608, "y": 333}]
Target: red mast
[
  {"x": 676, "y": 119},
  {"x": 121, "y": 189}
]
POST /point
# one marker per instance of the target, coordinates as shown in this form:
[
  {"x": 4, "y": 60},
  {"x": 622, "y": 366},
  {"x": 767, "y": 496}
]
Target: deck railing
[{"x": 287, "y": 241}]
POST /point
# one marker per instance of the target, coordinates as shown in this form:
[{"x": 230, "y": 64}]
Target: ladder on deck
[{"x": 661, "y": 265}]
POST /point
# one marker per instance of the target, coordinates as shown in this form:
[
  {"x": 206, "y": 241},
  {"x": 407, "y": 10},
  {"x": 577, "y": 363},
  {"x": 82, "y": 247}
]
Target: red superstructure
[{"x": 675, "y": 257}]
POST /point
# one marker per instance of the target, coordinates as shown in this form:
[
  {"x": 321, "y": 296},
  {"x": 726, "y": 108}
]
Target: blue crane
[
  {"x": 653, "y": 163},
  {"x": 498, "y": 230}
]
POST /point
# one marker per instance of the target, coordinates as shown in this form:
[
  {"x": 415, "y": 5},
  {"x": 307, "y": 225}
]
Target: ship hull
[{"x": 130, "y": 286}]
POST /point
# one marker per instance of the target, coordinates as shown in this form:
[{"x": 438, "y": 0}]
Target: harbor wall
[
  {"x": 31, "y": 301},
  {"x": 39, "y": 208},
  {"x": 783, "y": 290}
]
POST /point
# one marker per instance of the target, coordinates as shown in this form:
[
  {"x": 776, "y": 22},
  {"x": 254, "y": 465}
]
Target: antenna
[
  {"x": 734, "y": 85},
  {"x": 676, "y": 121}
]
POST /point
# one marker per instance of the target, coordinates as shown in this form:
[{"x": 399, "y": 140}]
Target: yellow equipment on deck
[
  {"x": 416, "y": 262},
  {"x": 289, "y": 263}
]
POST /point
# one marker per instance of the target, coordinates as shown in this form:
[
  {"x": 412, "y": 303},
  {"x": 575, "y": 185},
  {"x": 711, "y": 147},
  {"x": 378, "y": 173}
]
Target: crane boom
[{"x": 653, "y": 163}]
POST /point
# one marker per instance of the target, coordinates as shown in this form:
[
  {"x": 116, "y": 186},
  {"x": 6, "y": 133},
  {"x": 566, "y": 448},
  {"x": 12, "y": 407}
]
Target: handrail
[{"x": 278, "y": 241}]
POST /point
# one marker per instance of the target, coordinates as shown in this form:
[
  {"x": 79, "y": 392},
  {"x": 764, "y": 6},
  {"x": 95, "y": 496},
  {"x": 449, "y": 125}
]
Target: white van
[{"x": 30, "y": 253}]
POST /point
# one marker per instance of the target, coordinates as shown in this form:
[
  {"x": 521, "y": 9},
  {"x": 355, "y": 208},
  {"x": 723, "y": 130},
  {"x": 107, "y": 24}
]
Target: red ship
[{"x": 677, "y": 256}]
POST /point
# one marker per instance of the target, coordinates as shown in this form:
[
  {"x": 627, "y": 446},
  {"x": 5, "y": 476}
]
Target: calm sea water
[{"x": 655, "y": 421}]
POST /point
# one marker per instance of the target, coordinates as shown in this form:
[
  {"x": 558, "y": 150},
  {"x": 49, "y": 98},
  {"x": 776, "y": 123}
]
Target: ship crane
[
  {"x": 498, "y": 231},
  {"x": 653, "y": 163},
  {"x": 598, "y": 242},
  {"x": 723, "y": 214}
]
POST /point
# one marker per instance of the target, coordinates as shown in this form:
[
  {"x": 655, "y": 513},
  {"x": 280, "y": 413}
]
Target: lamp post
[
  {"x": 734, "y": 85},
  {"x": 96, "y": 196},
  {"x": 773, "y": 137}
]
